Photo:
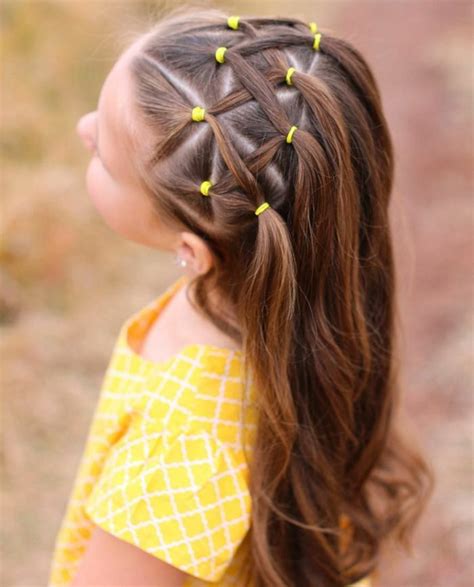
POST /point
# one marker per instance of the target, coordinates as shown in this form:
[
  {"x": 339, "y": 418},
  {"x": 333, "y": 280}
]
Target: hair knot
[
  {"x": 291, "y": 132},
  {"x": 233, "y": 22},
  {"x": 262, "y": 208},
  {"x": 198, "y": 114},
  {"x": 317, "y": 40},
  {"x": 204, "y": 188},
  {"x": 220, "y": 52},
  {"x": 289, "y": 75}
]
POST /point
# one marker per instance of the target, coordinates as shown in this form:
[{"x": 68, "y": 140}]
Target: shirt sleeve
[{"x": 182, "y": 498}]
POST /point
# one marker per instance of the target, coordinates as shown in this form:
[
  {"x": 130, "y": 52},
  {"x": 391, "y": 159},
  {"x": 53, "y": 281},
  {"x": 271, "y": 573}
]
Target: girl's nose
[{"x": 85, "y": 128}]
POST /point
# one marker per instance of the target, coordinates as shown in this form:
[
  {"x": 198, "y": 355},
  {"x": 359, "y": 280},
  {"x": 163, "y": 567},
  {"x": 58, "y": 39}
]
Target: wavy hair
[{"x": 311, "y": 279}]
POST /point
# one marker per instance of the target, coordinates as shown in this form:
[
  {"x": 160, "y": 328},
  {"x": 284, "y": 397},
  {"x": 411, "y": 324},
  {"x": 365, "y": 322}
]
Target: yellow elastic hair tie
[
  {"x": 317, "y": 39},
  {"x": 233, "y": 22},
  {"x": 289, "y": 73},
  {"x": 262, "y": 207},
  {"x": 313, "y": 27},
  {"x": 205, "y": 186},
  {"x": 198, "y": 113},
  {"x": 289, "y": 136},
  {"x": 220, "y": 52}
]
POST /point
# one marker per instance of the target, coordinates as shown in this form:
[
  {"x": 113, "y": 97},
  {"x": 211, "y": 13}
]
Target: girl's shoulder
[
  {"x": 202, "y": 386},
  {"x": 202, "y": 390},
  {"x": 178, "y": 459}
]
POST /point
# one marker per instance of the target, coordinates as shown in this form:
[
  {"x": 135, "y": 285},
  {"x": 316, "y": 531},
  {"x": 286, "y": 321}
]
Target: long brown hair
[{"x": 311, "y": 279}]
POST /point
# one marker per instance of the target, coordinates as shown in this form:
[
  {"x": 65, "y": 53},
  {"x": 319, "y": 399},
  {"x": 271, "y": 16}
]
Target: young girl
[{"x": 244, "y": 431}]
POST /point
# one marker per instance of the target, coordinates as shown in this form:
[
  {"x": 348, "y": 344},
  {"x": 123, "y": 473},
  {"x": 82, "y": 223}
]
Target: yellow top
[{"x": 163, "y": 467}]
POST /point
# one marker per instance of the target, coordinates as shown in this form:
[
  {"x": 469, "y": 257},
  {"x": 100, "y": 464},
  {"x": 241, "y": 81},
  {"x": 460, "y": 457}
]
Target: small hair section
[
  {"x": 233, "y": 22},
  {"x": 262, "y": 208},
  {"x": 205, "y": 187},
  {"x": 220, "y": 52},
  {"x": 289, "y": 75},
  {"x": 317, "y": 40},
  {"x": 291, "y": 132},
  {"x": 198, "y": 114}
]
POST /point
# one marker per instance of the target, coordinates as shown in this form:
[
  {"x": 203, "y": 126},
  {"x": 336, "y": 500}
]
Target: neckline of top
[{"x": 143, "y": 319}]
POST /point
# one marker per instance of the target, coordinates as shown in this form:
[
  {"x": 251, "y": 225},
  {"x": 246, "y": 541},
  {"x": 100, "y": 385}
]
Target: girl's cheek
[
  {"x": 111, "y": 202},
  {"x": 125, "y": 212},
  {"x": 100, "y": 191}
]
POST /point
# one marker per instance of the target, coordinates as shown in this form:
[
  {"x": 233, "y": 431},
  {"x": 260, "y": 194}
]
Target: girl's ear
[
  {"x": 195, "y": 251},
  {"x": 85, "y": 128}
]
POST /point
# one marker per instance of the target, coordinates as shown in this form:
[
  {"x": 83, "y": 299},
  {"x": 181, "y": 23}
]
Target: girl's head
[
  {"x": 120, "y": 142},
  {"x": 310, "y": 279}
]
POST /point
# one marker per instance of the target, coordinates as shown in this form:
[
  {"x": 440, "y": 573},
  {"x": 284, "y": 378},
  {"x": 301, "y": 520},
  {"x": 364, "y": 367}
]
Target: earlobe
[{"x": 195, "y": 251}]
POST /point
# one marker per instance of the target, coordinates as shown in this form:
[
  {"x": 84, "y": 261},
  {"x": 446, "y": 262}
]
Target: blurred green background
[{"x": 68, "y": 282}]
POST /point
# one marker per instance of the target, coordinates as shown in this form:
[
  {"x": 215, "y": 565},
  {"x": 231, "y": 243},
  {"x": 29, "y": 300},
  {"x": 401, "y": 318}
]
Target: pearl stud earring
[{"x": 180, "y": 261}]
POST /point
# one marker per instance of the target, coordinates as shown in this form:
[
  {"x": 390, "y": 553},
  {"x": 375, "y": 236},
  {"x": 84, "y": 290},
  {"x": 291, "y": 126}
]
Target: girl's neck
[{"x": 190, "y": 321}]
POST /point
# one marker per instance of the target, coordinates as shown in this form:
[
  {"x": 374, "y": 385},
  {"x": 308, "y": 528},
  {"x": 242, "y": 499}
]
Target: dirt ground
[{"x": 67, "y": 282}]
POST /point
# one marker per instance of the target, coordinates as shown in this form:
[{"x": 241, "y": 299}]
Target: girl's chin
[{"x": 123, "y": 231}]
